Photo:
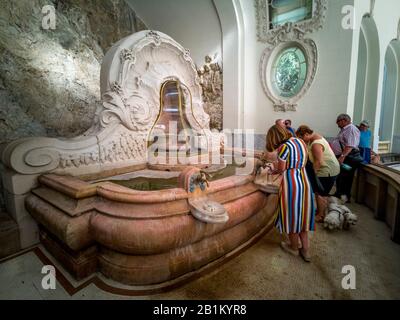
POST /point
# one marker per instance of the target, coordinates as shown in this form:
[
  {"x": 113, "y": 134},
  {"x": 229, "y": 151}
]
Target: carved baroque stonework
[
  {"x": 132, "y": 73},
  {"x": 265, "y": 34},
  {"x": 210, "y": 75},
  {"x": 133, "y": 96},
  {"x": 284, "y": 36},
  {"x": 125, "y": 147}
]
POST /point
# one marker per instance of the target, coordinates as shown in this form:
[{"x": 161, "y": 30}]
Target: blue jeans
[{"x": 366, "y": 154}]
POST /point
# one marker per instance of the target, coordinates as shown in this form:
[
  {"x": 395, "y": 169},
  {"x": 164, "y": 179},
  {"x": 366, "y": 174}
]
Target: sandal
[
  {"x": 305, "y": 255},
  {"x": 286, "y": 247}
]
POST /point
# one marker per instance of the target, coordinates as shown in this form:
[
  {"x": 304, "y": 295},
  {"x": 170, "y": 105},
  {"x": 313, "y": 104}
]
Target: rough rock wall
[{"x": 50, "y": 79}]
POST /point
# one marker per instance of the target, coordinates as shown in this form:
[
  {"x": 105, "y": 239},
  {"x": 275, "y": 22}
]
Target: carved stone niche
[
  {"x": 132, "y": 74},
  {"x": 284, "y": 36}
]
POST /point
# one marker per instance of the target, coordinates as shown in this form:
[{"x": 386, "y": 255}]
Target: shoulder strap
[{"x": 341, "y": 145}]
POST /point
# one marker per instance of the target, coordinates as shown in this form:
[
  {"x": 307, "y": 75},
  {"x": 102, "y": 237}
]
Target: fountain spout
[{"x": 195, "y": 182}]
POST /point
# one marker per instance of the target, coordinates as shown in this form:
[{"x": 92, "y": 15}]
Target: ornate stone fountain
[{"x": 135, "y": 237}]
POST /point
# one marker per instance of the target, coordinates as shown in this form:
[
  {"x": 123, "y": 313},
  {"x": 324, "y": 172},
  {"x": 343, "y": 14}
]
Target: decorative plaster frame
[
  {"x": 131, "y": 76},
  {"x": 279, "y": 38},
  {"x": 267, "y": 35},
  {"x": 268, "y": 58}
]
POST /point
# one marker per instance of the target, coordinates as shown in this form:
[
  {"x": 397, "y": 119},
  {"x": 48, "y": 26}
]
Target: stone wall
[{"x": 50, "y": 79}]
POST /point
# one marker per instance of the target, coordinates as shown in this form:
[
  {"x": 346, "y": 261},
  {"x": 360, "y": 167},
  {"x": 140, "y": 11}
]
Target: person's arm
[
  {"x": 345, "y": 153},
  {"x": 318, "y": 155},
  {"x": 279, "y": 167},
  {"x": 280, "y": 164}
]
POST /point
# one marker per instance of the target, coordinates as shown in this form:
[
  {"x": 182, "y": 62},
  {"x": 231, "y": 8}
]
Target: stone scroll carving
[
  {"x": 112, "y": 146},
  {"x": 210, "y": 75},
  {"x": 132, "y": 97},
  {"x": 128, "y": 108},
  {"x": 284, "y": 36},
  {"x": 132, "y": 73}
]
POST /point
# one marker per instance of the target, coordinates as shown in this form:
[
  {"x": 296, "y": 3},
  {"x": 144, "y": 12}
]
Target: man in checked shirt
[{"x": 347, "y": 140}]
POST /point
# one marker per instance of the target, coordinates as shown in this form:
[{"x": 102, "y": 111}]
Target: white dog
[{"x": 338, "y": 216}]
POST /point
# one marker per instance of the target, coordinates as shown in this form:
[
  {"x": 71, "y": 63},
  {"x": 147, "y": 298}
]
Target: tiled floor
[
  {"x": 21, "y": 278},
  {"x": 262, "y": 272}
]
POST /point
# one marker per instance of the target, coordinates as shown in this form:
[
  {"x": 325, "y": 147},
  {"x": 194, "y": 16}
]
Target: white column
[{"x": 231, "y": 18}]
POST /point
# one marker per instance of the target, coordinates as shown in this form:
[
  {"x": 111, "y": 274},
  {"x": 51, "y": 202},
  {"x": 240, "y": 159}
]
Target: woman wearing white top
[{"x": 325, "y": 164}]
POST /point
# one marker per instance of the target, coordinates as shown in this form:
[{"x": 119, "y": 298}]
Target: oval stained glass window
[{"x": 289, "y": 72}]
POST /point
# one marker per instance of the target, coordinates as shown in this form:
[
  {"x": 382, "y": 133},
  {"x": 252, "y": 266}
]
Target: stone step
[{"x": 9, "y": 236}]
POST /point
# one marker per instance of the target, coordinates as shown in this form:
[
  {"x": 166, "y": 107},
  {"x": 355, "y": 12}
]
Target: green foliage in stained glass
[{"x": 289, "y": 72}]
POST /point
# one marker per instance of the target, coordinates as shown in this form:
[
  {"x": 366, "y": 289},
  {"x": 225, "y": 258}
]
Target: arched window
[{"x": 389, "y": 128}]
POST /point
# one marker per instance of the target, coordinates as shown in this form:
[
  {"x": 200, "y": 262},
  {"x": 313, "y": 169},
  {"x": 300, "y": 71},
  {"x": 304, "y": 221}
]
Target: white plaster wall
[
  {"x": 357, "y": 113},
  {"x": 396, "y": 118},
  {"x": 328, "y": 94},
  {"x": 333, "y": 89},
  {"x": 386, "y": 15},
  {"x": 388, "y": 97},
  {"x": 369, "y": 30},
  {"x": 231, "y": 18},
  {"x": 196, "y": 24},
  {"x": 192, "y": 23}
]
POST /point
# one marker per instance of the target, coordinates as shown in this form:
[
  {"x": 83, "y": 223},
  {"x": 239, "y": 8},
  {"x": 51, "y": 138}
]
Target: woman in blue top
[{"x": 365, "y": 141}]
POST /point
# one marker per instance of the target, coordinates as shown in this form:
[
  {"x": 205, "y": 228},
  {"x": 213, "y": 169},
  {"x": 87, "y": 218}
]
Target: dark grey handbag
[
  {"x": 316, "y": 185},
  {"x": 354, "y": 158}
]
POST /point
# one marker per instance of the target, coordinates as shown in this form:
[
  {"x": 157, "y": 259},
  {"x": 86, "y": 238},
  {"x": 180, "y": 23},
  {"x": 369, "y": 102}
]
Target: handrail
[{"x": 383, "y": 197}]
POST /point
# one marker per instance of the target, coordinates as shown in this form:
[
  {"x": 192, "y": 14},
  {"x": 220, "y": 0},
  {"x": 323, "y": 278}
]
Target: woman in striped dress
[{"x": 296, "y": 208}]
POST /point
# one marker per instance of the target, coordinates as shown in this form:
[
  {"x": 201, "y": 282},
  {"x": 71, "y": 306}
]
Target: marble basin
[{"x": 138, "y": 237}]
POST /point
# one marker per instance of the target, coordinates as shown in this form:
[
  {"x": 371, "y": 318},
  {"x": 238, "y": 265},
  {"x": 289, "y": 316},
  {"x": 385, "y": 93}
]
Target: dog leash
[{"x": 340, "y": 213}]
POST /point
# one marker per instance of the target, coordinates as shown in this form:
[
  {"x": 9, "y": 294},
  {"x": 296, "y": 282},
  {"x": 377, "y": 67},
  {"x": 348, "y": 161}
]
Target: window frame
[
  {"x": 270, "y": 25},
  {"x": 268, "y": 60},
  {"x": 266, "y": 34},
  {"x": 302, "y": 79}
]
